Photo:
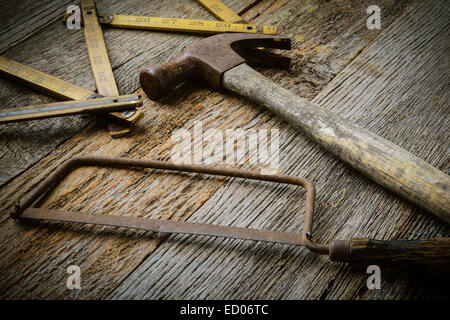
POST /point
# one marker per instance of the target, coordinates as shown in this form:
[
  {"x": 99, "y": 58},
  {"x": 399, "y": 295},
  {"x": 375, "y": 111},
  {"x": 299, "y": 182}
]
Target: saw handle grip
[
  {"x": 424, "y": 255},
  {"x": 159, "y": 80}
]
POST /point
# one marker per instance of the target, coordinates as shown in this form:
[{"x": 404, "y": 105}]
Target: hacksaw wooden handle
[
  {"x": 382, "y": 161},
  {"x": 425, "y": 255}
]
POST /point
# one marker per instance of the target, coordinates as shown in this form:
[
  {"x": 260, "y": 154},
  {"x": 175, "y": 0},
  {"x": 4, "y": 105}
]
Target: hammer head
[{"x": 210, "y": 58}]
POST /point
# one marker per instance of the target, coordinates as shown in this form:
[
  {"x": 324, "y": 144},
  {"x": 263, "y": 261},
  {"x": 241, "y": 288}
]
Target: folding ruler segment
[
  {"x": 43, "y": 82},
  {"x": 60, "y": 109},
  {"x": 181, "y": 25},
  {"x": 220, "y": 11},
  {"x": 430, "y": 255},
  {"x": 101, "y": 68},
  {"x": 23, "y": 210}
]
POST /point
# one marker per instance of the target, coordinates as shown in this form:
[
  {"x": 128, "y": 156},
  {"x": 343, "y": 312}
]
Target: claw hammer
[{"x": 221, "y": 60}]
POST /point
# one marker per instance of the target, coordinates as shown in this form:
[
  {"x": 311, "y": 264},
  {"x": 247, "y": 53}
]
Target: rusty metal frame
[
  {"x": 210, "y": 58},
  {"x": 23, "y": 209}
]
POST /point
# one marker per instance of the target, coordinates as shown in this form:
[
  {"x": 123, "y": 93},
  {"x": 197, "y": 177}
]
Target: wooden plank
[
  {"x": 34, "y": 260},
  {"x": 394, "y": 87},
  {"x": 62, "y": 52}
]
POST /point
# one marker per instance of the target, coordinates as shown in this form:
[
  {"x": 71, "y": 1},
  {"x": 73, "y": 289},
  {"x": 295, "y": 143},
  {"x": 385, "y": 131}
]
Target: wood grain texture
[
  {"x": 377, "y": 158},
  {"x": 21, "y": 20},
  {"x": 60, "y": 109},
  {"x": 34, "y": 260},
  {"x": 429, "y": 257},
  {"x": 61, "y": 52}
]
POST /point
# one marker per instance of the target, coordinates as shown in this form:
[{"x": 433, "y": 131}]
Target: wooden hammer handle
[{"x": 382, "y": 161}]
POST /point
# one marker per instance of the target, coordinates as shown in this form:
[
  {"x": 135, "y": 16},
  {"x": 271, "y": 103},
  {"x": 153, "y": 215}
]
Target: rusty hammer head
[{"x": 210, "y": 58}]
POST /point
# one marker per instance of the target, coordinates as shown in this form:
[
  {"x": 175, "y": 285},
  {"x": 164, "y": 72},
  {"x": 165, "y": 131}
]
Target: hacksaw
[
  {"x": 426, "y": 255},
  {"x": 59, "y": 89}
]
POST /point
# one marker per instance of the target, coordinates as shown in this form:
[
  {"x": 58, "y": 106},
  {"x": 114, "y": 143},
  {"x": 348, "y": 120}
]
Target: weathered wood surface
[
  {"x": 62, "y": 52},
  {"x": 330, "y": 35},
  {"x": 22, "y": 19}
]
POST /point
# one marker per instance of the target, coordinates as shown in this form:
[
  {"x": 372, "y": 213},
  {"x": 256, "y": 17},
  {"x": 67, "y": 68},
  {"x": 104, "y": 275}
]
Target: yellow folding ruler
[
  {"x": 231, "y": 22},
  {"x": 86, "y": 101},
  {"x": 101, "y": 68},
  {"x": 221, "y": 11},
  {"x": 181, "y": 25}
]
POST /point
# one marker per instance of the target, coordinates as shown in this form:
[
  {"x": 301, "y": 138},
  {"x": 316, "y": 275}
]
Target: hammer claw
[
  {"x": 260, "y": 40},
  {"x": 262, "y": 58}
]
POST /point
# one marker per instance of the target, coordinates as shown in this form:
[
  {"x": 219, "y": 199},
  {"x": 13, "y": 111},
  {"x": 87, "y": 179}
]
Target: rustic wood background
[{"x": 393, "y": 81}]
